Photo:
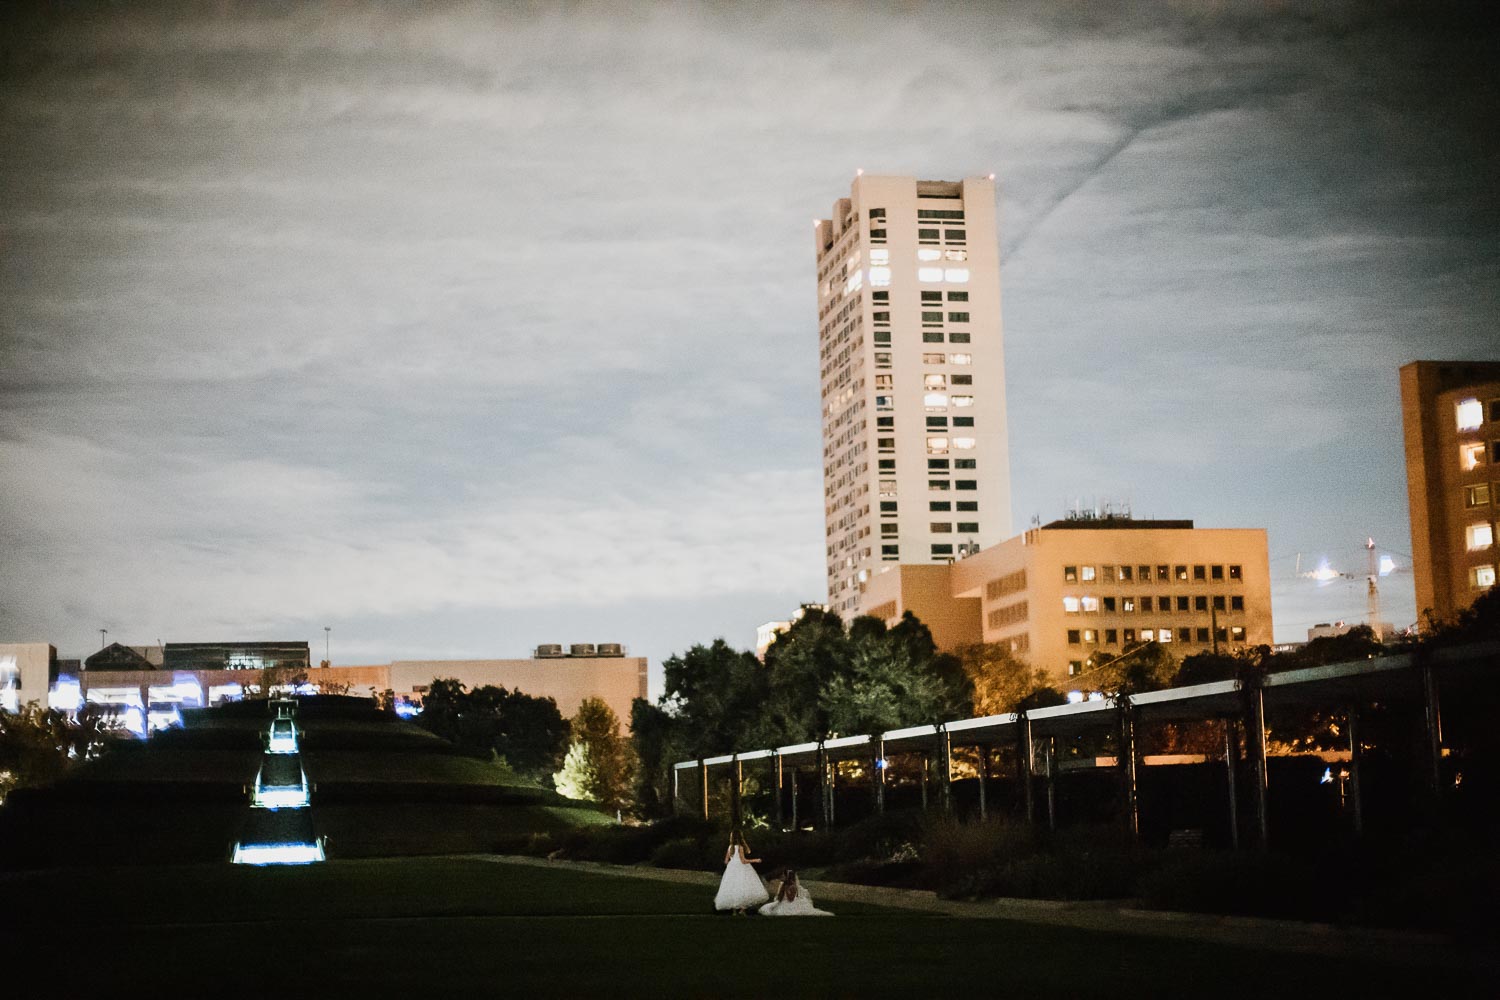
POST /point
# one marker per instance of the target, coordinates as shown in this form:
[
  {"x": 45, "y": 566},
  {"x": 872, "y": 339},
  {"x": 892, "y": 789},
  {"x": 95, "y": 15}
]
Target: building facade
[
  {"x": 915, "y": 456},
  {"x": 1450, "y": 415},
  {"x": 1059, "y": 594}
]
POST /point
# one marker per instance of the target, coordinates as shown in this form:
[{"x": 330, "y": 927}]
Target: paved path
[{"x": 1399, "y": 947}]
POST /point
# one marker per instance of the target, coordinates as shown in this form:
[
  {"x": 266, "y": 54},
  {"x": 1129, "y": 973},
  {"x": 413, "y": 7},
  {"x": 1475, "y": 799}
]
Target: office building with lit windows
[
  {"x": 1064, "y": 592},
  {"x": 915, "y": 460},
  {"x": 1450, "y": 414}
]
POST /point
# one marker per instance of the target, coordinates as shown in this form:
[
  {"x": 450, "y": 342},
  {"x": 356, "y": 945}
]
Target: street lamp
[{"x": 327, "y": 644}]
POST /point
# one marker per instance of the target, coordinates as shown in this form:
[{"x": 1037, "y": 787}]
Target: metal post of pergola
[
  {"x": 676, "y": 793},
  {"x": 833, "y": 792},
  {"x": 1128, "y": 763},
  {"x": 945, "y": 757},
  {"x": 703, "y": 784},
  {"x": 984, "y": 769},
  {"x": 736, "y": 813},
  {"x": 826, "y": 812},
  {"x": 1231, "y": 755},
  {"x": 926, "y": 774},
  {"x": 1433, "y": 716},
  {"x": 1256, "y": 738},
  {"x": 1052, "y": 782},
  {"x": 1024, "y": 769},
  {"x": 795, "y": 822},
  {"x": 879, "y": 774},
  {"x": 1356, "y": 792},
  {"x": 777, "y": 813}
]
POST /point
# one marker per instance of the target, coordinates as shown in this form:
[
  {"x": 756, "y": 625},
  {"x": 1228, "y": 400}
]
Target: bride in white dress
[
  {"x": 740, "y": 887},
  {"x": 792, "y": 901}
]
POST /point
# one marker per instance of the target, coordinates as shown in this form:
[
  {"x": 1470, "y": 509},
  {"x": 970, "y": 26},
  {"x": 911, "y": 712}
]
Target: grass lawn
[{"x": 450, "y": 927}]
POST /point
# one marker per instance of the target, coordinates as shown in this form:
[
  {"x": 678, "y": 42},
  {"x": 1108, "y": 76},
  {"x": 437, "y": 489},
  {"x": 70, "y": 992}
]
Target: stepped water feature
[{"x": 278, "y": 829}]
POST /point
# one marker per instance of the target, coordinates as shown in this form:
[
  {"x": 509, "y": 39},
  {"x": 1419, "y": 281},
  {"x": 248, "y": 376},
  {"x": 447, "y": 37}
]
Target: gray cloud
[{"x": 345, "y": 312}]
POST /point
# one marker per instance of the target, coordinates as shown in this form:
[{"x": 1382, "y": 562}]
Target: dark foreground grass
[{"x": 459, "y": 927}]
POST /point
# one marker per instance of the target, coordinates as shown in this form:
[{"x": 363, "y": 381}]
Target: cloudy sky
[{"x": 460, "y": 328}]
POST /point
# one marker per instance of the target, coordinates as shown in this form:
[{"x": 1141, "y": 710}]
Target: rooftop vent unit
[
  {"x": 548, "y": 651},
  {"x": 611, "y": 649},
  {"x": 581, "y": 649}
]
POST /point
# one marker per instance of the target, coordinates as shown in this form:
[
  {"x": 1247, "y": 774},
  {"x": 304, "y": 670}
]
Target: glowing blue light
[
  {"x": 289, "y": 797},
  {"x": 406, "y": 711},
  {"x": 1327, "y": 778},
  {"x": 278, "y": 854},
  {"x": 882, "y": 763}
]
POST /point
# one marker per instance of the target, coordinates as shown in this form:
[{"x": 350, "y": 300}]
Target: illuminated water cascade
[{"x": 279, "y": 829}]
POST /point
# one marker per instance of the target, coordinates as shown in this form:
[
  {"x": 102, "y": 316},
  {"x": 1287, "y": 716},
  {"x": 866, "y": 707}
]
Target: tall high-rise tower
[{"x": 916, "y": 464}]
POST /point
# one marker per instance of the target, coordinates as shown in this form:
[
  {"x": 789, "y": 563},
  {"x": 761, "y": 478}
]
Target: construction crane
[
  {"x": 1377, "y": 566},
  {"x": 1373, "y": 596}
]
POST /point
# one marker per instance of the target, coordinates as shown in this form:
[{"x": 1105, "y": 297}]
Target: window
[
  {"x": 935, "y": 401},
  {"x": 882, "y": 338},
  {"x": 1470, "y": 456},
  {"x": 964, "y": 463},
  {"x": 937, "y": 464},
  {"x": 958, "y": 338},
  {"x": 955, "y": 236},
  {"x": 957, "y": 275},
  {"x": 963, "y": 379},
  {"x": 1111, "y": 637},
  {"x": 1495, "y": 411},
  {"x": 963, "y": 421},
  {"x": 933, "y": 422},
  {"x": 964, "y": 297},
  {"x": 956, "y": 254},
  {"x": 1219, "y": 604},
  {"x": 963, "y": 443},
  {"x": 1127, "y": 605},
  {"x": 1091, "y": 604},
  {"x": 942, "y": 550},
  {"x": 877, "y": 234},
  {"x": 1075, "y": 667},
  {"x": 887, "y": 465},
  {"x": 1200, "y": 572},
  {"x": 1125, "y": 574},
  {"x": 1164, "y": 572},
  {"x": 1184, "y": 635},
  {"x": 1236, "y": 603},
  {"x": 928, "y": 234},
  {"x": 1236, "y": 633},
  {"x": 877, "y": 213},
  {"x": 885, "y": 444},
  {"x": 1086, "y": 574},
  {"x": 939, "y": 505},
  {"x": 882, "y": 359},
  {"x": 962, "y": 401},
  {"x": 1164, "y": 603},
  {"x": 968, "y": 527},
  {"x": 1072, "y": 605},
  {"x": 1107, "y": 574},
  {"x": 960, "y": 359},
  {"x": 1070, "y": 574},
  {"x": 1145, "y": 604},
  {"x": 890, "y": 550},
  {"x": 1182, "y": 573},
  {"x": 887, "y": 506},
  {"x": 1216, "y": 573},
  {"x": 1129, "y": 634},
  {"x": 1200, "y": 603},
  {"x": 937, "y": 446},
  {"x": 929, "y": 274},
  {"x": 1143, "y": 573},
  {"x": 884, "y": 403},
  {"x": 1234, "y": 573},
  {"x": 935, "y": 381},
  {"x": 885, "y": 422},
  {"x": 1089, "y": 635},
  {"x": 1182, "y": 603},
  {"x": 934, "y": 359},
  {"x": 881, "y": 257},
  {"x": 966, "y": 484},
  {"x": 1163, "y": 635},
  {"x": 958, "y": 317},
  {"x": 1148, "y": 635},
  {"x": 1479, "y": 536},
  {"x": 932, "y": 336},
  {"x": 889, "y": 529},
  {"x": 932, "y": 317},
  {"x": 940, "y": 527},
  {"x": 937, "y": 485},
  {"x": 968, "y": 505},
  {"x": 929, "y": 253},
  {"x": 887, "y": 487},
  {"x": 1470, "y": 415},
  {"x": 1482, "y": 577},
  {"x": 1108, "y": 603}
]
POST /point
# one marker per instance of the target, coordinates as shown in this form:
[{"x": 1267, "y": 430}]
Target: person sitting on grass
[
  {"x": 740, "y": 886},
  {"x": 792, "y": 901}
]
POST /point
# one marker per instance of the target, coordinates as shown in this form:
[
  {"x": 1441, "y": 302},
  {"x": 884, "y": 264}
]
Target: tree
[
  {"x": 718, "y": 696},
  {"x": 1001, "y": 681},
  {"x": 38, "y": 744},
  {"x": 653, "y": 737},
  {"x": 599, "y": 764},
  {"x": 1143, "y": 666},
  {"x": 528, "y": 732}
]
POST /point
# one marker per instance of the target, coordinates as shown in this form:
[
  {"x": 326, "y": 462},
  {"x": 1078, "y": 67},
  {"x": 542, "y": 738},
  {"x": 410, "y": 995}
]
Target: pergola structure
[{"x": 1238, "y": 706}]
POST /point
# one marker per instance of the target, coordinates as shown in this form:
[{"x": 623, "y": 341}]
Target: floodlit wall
[{"x": 25, "y": 673}]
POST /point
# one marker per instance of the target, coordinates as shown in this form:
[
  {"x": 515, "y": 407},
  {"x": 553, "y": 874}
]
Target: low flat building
[{"x": 1061, "y": 593}]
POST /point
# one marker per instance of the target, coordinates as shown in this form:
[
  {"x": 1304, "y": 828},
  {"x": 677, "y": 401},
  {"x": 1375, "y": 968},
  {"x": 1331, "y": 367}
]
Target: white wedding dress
[
  {"x": 740, "y": 887},
  {"x": 800, "y": 905}
]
